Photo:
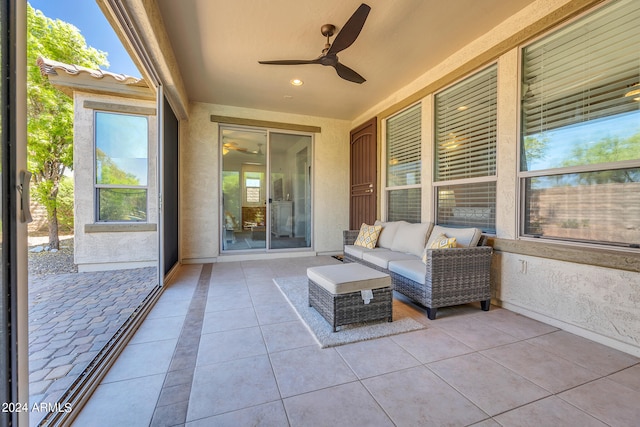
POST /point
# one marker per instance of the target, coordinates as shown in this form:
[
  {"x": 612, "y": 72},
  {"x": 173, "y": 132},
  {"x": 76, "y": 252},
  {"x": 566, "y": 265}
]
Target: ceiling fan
[
  {"x": 343, "y": 40},
  {"x": 233, "y": 146}
]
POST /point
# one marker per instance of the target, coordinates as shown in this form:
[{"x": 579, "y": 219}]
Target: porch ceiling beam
[{"x": 265, "y": 124}]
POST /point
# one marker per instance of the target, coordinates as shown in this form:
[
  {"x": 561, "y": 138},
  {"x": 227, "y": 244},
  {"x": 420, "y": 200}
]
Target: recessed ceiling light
[
  {"x": 462, "y": 108},
  {"x": 297, "y": 82}
]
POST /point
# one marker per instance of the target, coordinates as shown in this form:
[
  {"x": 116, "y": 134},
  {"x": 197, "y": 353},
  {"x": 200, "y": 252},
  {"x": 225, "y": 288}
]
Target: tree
[
  {"x": 607, "y": 150},
  {"x": 49, "y": 111}
]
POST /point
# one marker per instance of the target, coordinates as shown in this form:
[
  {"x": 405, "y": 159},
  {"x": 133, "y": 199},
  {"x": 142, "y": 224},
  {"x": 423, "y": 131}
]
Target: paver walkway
[{"x": 71, "y": 317}]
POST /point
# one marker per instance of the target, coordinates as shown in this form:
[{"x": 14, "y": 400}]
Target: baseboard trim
[{"x": 576, "y": 330}]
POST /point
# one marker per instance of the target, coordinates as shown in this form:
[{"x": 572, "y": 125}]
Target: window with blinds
[
  {"x": 403, "y": 186},
  {"x": 465, "y": 152},
  {"x": 580, "y": 142}
]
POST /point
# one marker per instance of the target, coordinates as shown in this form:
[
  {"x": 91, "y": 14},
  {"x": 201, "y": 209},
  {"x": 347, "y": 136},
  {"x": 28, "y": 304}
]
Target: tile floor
[{"x": 247, "y": 360}]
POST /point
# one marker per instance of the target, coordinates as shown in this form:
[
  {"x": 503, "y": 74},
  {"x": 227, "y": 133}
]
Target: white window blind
[
  {"x": 466, "y": 128},
  {"x": 582, "y": 72},
  {"x": 580, "y": 146},
  {"x": 404, "y": 138},
  {"x": 403, "y": 186},
  {"x": 465, "y": 152}
]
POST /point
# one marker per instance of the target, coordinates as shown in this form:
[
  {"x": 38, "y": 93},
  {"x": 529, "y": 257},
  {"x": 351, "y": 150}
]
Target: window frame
[
  {"x": 97, "y": 187},
  {"x": 388, "y": 189},
  {"x": 460, "y": 182},
  {"x": 524, "y": 175}
]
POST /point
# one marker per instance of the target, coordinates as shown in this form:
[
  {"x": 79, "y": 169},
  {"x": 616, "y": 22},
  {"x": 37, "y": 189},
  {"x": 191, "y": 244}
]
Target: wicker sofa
[{"x": 446, "y": 277}]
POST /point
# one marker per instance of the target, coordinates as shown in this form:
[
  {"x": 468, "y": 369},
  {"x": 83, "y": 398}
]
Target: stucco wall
[
  {"x": 200, "y": 172},
  {"x": 599, "y": 303},
  {"x": 108, "y": 250}
]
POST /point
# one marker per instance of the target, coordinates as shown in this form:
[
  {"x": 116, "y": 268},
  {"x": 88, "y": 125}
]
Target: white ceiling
[{"x": 218, "y": 44}]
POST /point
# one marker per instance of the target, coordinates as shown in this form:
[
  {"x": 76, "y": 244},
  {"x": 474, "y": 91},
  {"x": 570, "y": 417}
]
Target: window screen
[
  {"x": 580, "y": 143},
  {"x": 122, "y": 149},
  {"x": 404, "y": 144},
  {"x": 465, "y": 152}
]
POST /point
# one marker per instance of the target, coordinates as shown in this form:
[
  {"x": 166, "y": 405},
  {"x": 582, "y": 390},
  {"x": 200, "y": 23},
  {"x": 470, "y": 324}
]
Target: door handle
[{"x": 23, "y": 189}]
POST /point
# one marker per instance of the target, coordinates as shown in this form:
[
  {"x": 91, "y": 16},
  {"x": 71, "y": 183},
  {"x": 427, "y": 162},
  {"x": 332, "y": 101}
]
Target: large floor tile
[
  {"x": 308, "y": 369},
  {"x": 275, "y": 313},
  {"x": 230, "y": 386},
  {"x": 218, "y": 321},
  {"x": 431, "y": 344},
  {"x": 267, "y": 415},
  {"x": 474, "y": 332},
  {"x": 545, "y": 369},
  {"x": 168, "y": 307},
  {"x": 592, "y": 355},
  {"x": 267, "y": 296},
  {"x": 515, "y": 324},
  {"x": 608, "y": 401},
  {"x": 629, "y": 377},
  {"x": 417, "y": 397},
  {"x": 179, "y": 291},
  {"x": 158, "y": 329},
  {"x": 288, "y": 335},
  {"x": 489, "y": 385},
  {"x": 551, "y": 411},
  {"x": 122, "y": 403},
  {"x": 230, "y": 345},
  {"x": 141, "y": 360},
  {"x": 229, "y": 301},
  {"x": 344, "y": 405},
  {"x": 376, "y": 357}
]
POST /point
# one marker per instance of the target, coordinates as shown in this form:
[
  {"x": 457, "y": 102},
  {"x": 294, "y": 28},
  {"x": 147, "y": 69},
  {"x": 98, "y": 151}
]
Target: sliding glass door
[
  {"x": 266, "y": 190},
  {"x": 290, "y": 198}
]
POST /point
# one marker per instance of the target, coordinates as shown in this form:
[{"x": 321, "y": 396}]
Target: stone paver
[{"x": 71, "y": 317}]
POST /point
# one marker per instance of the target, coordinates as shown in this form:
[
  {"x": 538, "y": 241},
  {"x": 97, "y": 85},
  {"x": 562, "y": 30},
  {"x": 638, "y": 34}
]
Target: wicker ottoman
[{"x": 335, "y": 291}]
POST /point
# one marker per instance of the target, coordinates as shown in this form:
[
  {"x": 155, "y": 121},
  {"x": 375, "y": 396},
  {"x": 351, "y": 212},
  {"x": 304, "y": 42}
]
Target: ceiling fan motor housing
[{"x": 328, "y": 30}]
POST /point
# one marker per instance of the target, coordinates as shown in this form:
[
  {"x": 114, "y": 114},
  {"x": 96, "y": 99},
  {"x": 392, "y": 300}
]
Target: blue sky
[{"x": 88, "y": 18}]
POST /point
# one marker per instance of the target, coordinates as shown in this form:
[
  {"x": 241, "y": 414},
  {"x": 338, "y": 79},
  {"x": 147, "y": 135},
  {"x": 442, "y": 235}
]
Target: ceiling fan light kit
[{"x": 343, "y": 40}]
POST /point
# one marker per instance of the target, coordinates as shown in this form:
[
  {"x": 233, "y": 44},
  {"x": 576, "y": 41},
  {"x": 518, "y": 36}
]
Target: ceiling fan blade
[
  {"x": 350, "y": 31},
  {"x": 290, "y": 62},
  {"x": 348, "y": 74}
]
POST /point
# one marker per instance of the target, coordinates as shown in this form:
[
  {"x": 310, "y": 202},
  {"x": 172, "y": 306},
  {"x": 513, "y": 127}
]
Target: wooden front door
[{"x": 363, "y": 175}]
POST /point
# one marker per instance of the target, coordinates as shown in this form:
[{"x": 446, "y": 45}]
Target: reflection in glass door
[
  {"x": 290, "y": 201},
  {"x": 244, "y": 189},
  {"x": 266, "y": 190}
]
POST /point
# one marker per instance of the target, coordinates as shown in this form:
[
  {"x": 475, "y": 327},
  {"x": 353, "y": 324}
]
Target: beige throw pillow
[
  {"x": 440, "y": 242},
  {"x": 368, "y": 236}
]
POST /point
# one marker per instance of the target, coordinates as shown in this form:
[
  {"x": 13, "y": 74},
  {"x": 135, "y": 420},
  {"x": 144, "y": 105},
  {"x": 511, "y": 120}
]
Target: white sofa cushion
[
  {"x": 411, "y": 238},
  {"x": 358, "y": 251},
  {"x": 382, "y": 258},
  {"x": 465, "y": 237},
  {"x": 389, "y": 229},
  {"x": 347, "y": 278},
  {"x": 415, "y": 270}
]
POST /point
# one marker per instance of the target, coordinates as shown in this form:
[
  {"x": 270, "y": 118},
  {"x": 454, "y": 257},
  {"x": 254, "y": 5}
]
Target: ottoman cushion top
[{"x": 347, "y": 278}]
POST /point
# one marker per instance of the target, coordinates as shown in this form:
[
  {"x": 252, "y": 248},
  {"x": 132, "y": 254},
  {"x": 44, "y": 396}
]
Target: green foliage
[
  {"x": 112, "y": 174},
  {"x": 534, "y": 149},
  {"x": 49, "y": 111},
  {"x": 231, "y": 192},
  {"x": 65, "y": 204},
  {"x": 122, "y": 204},
  {"x": 607, "y": 150}
]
